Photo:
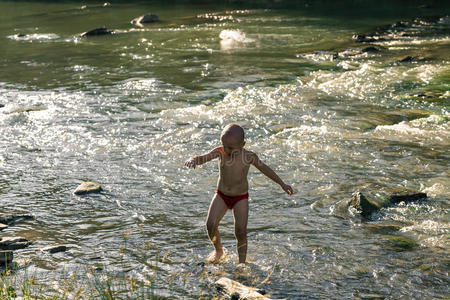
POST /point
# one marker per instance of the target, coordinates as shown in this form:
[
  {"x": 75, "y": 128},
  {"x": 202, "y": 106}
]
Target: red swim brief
[{"x": 230, "y": 201}]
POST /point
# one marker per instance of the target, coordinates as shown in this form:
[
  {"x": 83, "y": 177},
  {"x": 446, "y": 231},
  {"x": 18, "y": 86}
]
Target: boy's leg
[
  {"x": 217, "y": 210},
  {"x": 240, "y": 212}
]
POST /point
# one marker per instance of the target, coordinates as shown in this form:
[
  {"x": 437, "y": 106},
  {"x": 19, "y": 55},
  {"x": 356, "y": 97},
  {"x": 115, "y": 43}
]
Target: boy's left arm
[{"x": 266, "y": 170}]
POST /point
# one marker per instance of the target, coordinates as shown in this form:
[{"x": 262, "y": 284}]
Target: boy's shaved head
[{"x": 233, "y": 131}]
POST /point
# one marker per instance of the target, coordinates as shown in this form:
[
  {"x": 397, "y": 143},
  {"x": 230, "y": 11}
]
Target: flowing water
[{"x": 127, "y": 110}]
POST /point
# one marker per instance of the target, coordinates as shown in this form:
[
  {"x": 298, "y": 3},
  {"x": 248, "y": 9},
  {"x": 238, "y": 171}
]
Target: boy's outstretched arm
[
  {"x": 266, "y": 170},
  {"x": 201, "y": 159}
]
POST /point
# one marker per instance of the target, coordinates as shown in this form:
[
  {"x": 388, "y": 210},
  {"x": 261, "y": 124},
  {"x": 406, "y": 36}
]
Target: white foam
[
  {"x": 435, "y": 129},
  {"x": 234, "y": 35},
  {"x": 34, "y": 37},
  {"x": 230, "y": 39},
  {"x": 430, "y": 233},
  {"x": 437, "y": 189},
  {"x": 369, "y": 80},
  {"x": 403, "y": 128}
]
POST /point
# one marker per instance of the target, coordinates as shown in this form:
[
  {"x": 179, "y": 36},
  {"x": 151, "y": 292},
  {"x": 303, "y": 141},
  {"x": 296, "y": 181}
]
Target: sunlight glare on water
[{"x": 328, "y": 115}]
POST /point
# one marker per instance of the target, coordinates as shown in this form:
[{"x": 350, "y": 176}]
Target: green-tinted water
[{"x": 331, "y": 117}]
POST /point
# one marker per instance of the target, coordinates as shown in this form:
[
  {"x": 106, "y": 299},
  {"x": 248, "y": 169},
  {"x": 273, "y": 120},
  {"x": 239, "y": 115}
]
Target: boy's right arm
[{"x": 201, "y": 159}]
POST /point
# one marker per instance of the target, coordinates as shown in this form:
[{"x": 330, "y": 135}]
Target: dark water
[{"x": 127, "y": 110}]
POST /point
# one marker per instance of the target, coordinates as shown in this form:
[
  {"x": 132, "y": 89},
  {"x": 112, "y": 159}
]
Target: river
[{"x": 329, "y": 114}]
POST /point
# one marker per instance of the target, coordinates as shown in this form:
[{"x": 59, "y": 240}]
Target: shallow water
[{"x": 127, "y": 110}]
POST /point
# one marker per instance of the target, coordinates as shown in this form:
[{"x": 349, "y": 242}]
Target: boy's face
[{"x": 232, "y": 146}]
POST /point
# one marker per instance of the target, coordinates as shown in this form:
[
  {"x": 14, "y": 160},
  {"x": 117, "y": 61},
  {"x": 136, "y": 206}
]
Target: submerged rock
[
  {"x": 145, "y": 19},
  {"x": 13, "y": 243},
  {"x": 87, "y": 188},
  {"x": 383, "y": 228},
  {"x": 9, "y": 219},
  {"x": 400, "y": 243},
  {"x": 96, "y": 32}
]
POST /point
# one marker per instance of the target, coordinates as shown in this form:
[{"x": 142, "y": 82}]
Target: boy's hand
[
  {"x": 288, "y": 189},
  {"x": 190, "y": 163}
]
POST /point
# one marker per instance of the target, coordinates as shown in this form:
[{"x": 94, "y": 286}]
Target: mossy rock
[
  {"x": 401, "y": 243},
  {"x": 383, "y": 228},
  {"x": 411, "y": 114}
]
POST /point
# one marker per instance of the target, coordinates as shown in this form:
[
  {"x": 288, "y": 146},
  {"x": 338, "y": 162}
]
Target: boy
[{"x": 232, "y": 187}]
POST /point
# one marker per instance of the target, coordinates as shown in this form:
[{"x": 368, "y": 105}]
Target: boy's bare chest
[{"x": 233, "y": 166}]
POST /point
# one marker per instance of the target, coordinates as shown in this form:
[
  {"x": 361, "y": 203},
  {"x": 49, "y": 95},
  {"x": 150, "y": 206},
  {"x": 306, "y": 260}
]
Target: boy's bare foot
[{"x": 215, "y": 256}]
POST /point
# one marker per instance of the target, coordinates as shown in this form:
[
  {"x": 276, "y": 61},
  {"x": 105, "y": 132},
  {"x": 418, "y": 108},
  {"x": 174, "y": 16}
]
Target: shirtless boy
[{"x": 232, "y": 187}]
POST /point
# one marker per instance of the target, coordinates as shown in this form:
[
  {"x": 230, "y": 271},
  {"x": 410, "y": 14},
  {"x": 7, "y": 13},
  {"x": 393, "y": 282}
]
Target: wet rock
[
  {"x": 236, "y": 290},
  {"x": 13, "y": 243},
  {"x": 2, "y": 105},
  {"x": 370, "y": 49},
  {"x": 406, "y": 59},
  {"x": 6, "y": 258},
  {"x": 367, "y": 207},
  {"x": 363, "y": 205},
  {"x": 235, "y": 296},
  {"x": 96, "y": 32},
  {"x": 403, "y": 30},
  {"x": 406, "y": 197},
  {"x": 10, "y": 219},
  {"x": 55, "y": 249},
  {"x": 87, "y": 188},
  {"x": 145, "y": 19}
]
